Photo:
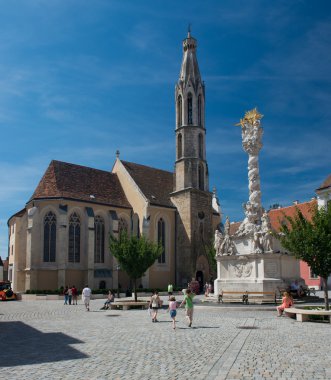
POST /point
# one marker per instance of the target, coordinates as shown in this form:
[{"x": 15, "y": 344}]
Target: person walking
[
  {"x": 172, "y": 309},
  {"x": 74, "y": 295},
  {"x": 69, "y": 295},
  {"x": 188, "y": 302},
  {"x": 66, "y": 295},
  {"x": 155, "y": 303},
  {"x": 86, "y": 296}
]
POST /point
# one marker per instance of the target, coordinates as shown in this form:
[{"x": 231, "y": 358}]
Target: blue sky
[{"x": 81, "y": 79}]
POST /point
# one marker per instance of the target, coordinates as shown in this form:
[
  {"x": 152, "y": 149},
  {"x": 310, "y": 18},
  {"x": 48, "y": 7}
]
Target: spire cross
[{"x": 189, "y": 30}]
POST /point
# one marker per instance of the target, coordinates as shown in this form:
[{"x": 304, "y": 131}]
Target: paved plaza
[{"x": 47, "y": 340}]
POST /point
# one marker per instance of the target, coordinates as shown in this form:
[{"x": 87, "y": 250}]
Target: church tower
[
  {"x": 191, "y": 193},
  {"x": 191, "y": 165}
]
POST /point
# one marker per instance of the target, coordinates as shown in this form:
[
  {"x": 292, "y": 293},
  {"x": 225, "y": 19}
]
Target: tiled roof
[
  {"x": 64, "y": 180},
  {"x": 277, "y": 215},
  {"x": 155, "y": 184},
  {"x": 325, "y": 184},
  {"x": 234, "y": 227}
]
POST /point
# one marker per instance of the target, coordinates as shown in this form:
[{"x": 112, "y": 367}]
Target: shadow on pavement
[{"x": 21, "y": 344}]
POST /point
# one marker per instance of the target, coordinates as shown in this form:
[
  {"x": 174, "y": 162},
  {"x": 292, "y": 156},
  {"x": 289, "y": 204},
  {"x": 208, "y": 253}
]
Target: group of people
[
  {"x": 156, "y": 303},
  {"x": 208, "y": 288},
  {"x": 70, "y": 295}
]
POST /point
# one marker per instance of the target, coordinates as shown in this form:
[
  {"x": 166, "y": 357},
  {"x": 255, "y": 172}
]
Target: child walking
[
  {"x": 173, "y": 312},
  {"x": 188, "y": 302}
]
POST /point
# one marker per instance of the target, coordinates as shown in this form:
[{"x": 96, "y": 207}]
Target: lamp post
[{"x": 118, "y": 288}]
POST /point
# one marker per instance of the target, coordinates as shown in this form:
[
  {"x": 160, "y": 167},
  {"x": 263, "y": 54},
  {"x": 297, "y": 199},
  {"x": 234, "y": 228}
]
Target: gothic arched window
[
  {"x": 50, "y": 237},
  {"x": 99, "y": 240},
  {"x": 161, "y": 240},
  {"x": 74, "y": 239},
  {"x": 189, "y": 109},
  {"x": 200, "y": 145},
  {"x": 179, "y": 146},
  {"x": 201, "y": 178},
  {"x": 179, "y": 111},
  {"x": 199, "y": 110}
]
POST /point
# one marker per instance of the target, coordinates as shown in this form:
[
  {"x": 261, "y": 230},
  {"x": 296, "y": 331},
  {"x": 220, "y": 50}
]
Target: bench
[
  {"x": 302, "y": 315},
  {"x": 245, "y": 297},
  {"x": 126, "y": 305},
  {"x": 307, "y": 292}
]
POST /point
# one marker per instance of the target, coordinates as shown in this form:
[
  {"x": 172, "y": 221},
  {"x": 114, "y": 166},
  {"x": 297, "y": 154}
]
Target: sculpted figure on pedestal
[
  {"x": 218, "y": 242},
  {"x": 223, "y": 243},
  {"x": 266, "y": 233},
  {"x": 257, "y": 243},
  {"x": 227, "y": 246}
]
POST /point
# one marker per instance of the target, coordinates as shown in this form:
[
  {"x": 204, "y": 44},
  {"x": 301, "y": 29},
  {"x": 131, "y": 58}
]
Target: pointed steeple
[
  {"x": 191, "y": 165},
  {"x": 190, "y": 68}
]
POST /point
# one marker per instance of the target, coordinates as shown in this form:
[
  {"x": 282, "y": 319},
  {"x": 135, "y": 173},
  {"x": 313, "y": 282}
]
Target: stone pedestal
[{"x": 255, "y": 272}]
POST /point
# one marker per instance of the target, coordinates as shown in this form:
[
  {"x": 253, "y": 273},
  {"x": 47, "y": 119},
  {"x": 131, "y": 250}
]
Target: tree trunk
[
  {"x": 135, "y": 290},
  {"x": 326, "y": 293}
]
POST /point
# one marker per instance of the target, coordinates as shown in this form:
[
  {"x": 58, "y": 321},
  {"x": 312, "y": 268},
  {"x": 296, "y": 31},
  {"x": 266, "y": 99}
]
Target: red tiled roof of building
[
  {"x": 155, "y": 184},
  {"x": 276, "y": 216},
  {"x": 234, "y": 227},
  {"x": 325, "y": 184},
  {"x": 70, "y": 181}
]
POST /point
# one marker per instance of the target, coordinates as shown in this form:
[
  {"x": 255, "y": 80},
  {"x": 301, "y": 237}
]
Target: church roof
[
  {"x": 155, "y": 184},
  {"x": 325, "y": 184},
  {"x": 70, "y": 181}
]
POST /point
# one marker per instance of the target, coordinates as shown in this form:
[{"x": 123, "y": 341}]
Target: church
[{"x": 61, "y": 236}]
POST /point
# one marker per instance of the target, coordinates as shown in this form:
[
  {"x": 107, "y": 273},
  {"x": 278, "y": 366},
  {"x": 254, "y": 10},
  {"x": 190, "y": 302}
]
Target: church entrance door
[{"x": 199, "y": 277}]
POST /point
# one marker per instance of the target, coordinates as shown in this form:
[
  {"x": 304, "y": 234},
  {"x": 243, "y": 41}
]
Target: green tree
[
  {"x": 310, "y": 241},
  {"x": 211, "y": 257},
  {"x": 135, "y": 255}
]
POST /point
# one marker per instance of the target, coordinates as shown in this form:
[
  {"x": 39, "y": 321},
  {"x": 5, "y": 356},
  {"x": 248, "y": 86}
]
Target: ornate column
[{"x": 251, "y": 132}]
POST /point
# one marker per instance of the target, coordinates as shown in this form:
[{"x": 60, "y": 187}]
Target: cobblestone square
[{"x": 47, "y": 340}]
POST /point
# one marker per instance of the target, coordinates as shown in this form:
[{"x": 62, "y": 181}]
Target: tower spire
[
  {"x": 191, "y": 164},
  {"x": 190, "y": 68}
]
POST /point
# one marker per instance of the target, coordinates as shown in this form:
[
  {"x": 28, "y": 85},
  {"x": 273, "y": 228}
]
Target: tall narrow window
[
  {"x": 50, "y": 237},
  {"x": 189, "y": 109},
  {"x": 161, "y": 240},
  {"x": 199, "y": 110},
  {"x": 74, "y": 239},
  {"x": 99, "y": 240},
  {"x": 122, "y": 225},
  {"x": 179, "y": 146},
  {"x": 179, "y": 111},
  {"x": 201, "y": 178},
  {"x": 200, "y": 146}
]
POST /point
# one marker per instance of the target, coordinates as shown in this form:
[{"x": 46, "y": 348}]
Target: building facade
[{"x": 61, "y": 236}]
